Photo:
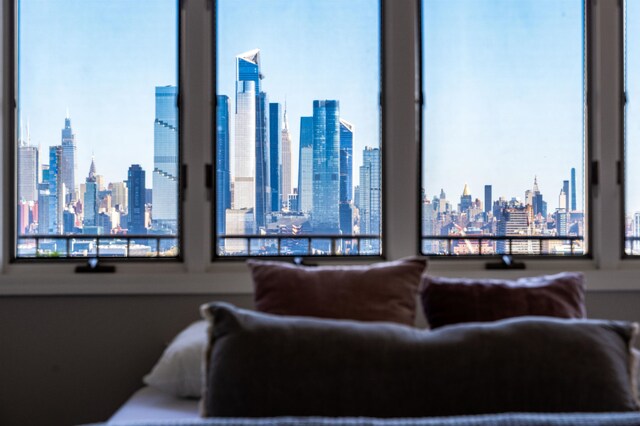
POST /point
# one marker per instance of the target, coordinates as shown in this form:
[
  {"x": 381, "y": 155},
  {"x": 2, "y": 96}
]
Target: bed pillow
[
  {"x": 455, "y": 300},
  {"x": 179, "y": 371},
  {"x": 261, "y": 365},
  {"x": 384, "y": 291}
]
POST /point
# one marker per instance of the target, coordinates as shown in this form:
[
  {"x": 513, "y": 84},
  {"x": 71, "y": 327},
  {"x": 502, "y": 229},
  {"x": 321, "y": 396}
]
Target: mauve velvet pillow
[
  {"x": 379, "y": 292},
  {"x": 456, "y": 300}
]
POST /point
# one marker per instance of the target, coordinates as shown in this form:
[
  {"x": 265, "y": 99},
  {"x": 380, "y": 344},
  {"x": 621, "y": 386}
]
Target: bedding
[
  {"x": 506, "y": 419},
  {"x": 448, "y": 301},
  {"x": 384, "y": 291},
  {"x": 261, "y": 365},
  {"x": 150, "y": 403}
]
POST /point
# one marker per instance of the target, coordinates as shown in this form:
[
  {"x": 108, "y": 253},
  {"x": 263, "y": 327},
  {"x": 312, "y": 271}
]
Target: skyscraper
[
  {"x": 165, "y": 161},
  {"x": 326, "y": 166},
  {"x": 370, "y": 189},
  {"x": 573, "y": 189},
  {"x": 247, "y": 86},
  {"x": 346, "y": 161},
  {"x": 56, "y": 190},
  {"x": 565, "y": 188},
  {"x": 263, "y": 153},
  {"x": 465, "y": 199},
  {"x": 223, "y": 170},
  {"x": 275, "y": 130},
  {"x": 487, "y": 198},
  {"x": 69, "y": 163},
  {"x": 27, "y": 170},
  {"x": 136, "y": 183},
  {"x": 90, "y": 205},
  {"x": 305, "y": 165},
  {"x": 285, "y": 183}
]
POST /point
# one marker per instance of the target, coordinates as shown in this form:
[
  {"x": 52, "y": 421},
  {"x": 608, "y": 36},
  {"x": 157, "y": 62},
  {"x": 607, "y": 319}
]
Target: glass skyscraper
[
  {"x": 69, "y": 162},
  {"x": 165, "y": 161},
  {"x": 223, "y": 171},
  {"x": 56, "y": 191},
  {"x": 370, "y": 188},
  {"x": 263, "y": 154},
  {"x": 346, "y": 177},
  {"x": 275, "y": 129},
  {"x": 27, "y": 171},
  {"x": 326, "y": 167},
  {"x": 136, "y": 200},
  {"x": 305, "y": 165}
]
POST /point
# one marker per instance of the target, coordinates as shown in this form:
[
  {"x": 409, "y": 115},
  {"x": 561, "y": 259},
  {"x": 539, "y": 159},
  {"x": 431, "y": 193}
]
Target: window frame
[
  {"x": 588, "y": 163},
  {"x": 13, "y": 157},
  {"x": 211, "y": 184},
  {"x": 198, "y": 274}
]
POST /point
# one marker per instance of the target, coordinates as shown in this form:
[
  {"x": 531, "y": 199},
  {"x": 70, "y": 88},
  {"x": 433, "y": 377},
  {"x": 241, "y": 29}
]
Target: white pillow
[{"x": 180, "y": 370}]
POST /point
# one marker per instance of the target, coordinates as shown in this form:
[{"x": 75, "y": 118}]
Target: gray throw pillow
[{"x": 261, "y": 365}]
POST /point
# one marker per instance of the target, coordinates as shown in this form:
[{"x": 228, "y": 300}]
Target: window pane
[
  {"x": 503, "y": 137},
  {"x": 97, "y": 128},
  {"x": 298, "y": 127},
  {"x": 632, "y": 128}
]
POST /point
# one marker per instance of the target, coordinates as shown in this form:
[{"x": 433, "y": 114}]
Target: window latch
[
  {"x": 93, "y": 266},
  {"x": 506, "y": 262}
]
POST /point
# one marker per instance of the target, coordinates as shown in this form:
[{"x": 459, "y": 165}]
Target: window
[
  {"x": 97, "y": 147},
  {"x": 503, "y": 128},
  {"x": 632, "y": 136},
  {"x": 298, "y": 159}
]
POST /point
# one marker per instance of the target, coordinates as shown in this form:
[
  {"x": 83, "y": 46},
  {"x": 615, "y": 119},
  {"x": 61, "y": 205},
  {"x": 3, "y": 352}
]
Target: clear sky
[
  {"x": 310, "y": 50},
  {"x": 100, "y": 60},
  {"x": 503, "y": 82}
]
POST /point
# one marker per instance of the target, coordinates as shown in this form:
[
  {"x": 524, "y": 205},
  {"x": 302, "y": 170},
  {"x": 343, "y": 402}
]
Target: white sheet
[{"x": 151, "y": 404}]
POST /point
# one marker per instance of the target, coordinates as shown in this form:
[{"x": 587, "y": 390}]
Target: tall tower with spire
[
  {"x": 69, "y": 163},
  {"x": 285, "y": 185},
  {"x": 27, "y": 168},
  {"x": 90, "y": 207},
  {"x": 465, "y": 199}
]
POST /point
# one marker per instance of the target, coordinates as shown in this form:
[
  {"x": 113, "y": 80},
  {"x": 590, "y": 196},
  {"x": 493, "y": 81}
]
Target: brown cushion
[
  {"x": 379, "y": 292},
  {"x": 455, "y": 300},
  {"x": 261, "y": 365}
]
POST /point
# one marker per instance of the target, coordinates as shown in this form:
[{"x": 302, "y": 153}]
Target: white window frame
[{"x": 198, "y": 274}]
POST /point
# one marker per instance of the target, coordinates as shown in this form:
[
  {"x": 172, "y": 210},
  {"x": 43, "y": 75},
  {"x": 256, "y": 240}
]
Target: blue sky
[
  {"x": 310, "y": 50},
  {"x": 633, "y": 107},
  {"x": 503, "y": 89},
  {"x": 101, "y": 60}
]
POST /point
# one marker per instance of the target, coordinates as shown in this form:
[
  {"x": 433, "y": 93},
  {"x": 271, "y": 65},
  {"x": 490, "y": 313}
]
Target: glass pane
[
  {"x": 97, "y": 128},
  {"x": 297, "y": 126},
  {"x": 632, "y": 128},
  {"x": 503, "y": 137}
]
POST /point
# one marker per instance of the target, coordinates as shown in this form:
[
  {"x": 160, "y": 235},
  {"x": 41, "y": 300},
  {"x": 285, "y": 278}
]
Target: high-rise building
[
  {"x": 69, "y": 162},
  {"x": 305, "y": 165},
  {"x": 263, "y": 168},
  {"x": 346, "y": 177},
  {"x": 275, "y": 130},
  {"x": 223, "y": 169},
  {"x": 165, "y": 162},
  {"x": 562, "y": 199},
  {"x": 516, "y": 221},
  {"x": 567, "y": 200},
  {"x": 538, "y": 203},
  {"x": 120, "y": 197},
  {"x": 487, "y": 198},
  {"x": 636, "y": 232},
  {"x": 44, "y": 202},
  {"x": 346, "y": 161},
  {"x": 90, "y": 205},
  {"x": 56, "y": 190},
  {"x": 27, "y": 170},
  {"x": 465, "y": 199},
  {"x": 325, "y": 216},
  {"x": 370, "y": 191},
  {"x": 136, "y": 184},
  {"x": 247, "y": 87},
  {"x": 238, "y": 222},
  {"x": 285, "y": 143},
  {"x": 573, "y": 189}
]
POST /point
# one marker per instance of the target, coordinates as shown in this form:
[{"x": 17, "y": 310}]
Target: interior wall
[{"x": 72, "y": 360}]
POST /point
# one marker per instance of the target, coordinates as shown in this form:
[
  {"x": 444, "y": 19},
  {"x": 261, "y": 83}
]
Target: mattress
[{"x": 151, "y": 404}]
